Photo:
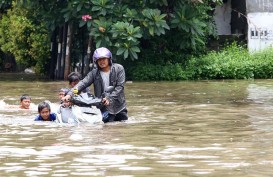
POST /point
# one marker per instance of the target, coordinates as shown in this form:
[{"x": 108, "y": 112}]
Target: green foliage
[
  {"x": 21, "y": 36},
  {"x": 263, "y": 67},
  {"x": 159, "y": 2},
  {"x": 5, "y": 5},
  {"x": 101, "y": 32},
  {"x": 192, "y": 25},
  {"x": 101, "y": 7},
  {"x": 187, "y": 22},
  {"x": 127, "y": 27},
  {"x": 126, "y": 37},
  {"x": 167, "y": 72},
  {"x": 233, "y": 62},
  {"x": 154, "y": 21}
]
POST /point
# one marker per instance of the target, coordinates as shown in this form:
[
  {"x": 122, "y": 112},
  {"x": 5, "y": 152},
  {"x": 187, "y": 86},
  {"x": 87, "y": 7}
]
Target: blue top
[{"x": 52, "y": 117}]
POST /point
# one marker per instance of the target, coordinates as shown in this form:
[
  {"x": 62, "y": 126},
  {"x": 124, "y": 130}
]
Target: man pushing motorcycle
[{"x": 104, "y": 75}]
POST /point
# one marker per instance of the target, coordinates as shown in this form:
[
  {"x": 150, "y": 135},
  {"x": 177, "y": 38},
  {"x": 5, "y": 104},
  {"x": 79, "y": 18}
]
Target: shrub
[{"x": 233, "y": 62}]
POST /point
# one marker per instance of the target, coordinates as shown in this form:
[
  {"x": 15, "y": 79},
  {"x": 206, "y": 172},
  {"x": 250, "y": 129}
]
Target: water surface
[{"x": 190, "y": 128}]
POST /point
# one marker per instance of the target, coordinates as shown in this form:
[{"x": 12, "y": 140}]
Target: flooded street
[{"x": 190, "y": 128}]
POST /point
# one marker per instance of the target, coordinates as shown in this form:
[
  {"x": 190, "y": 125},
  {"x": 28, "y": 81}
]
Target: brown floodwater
[{"x": 189, "y": 128}]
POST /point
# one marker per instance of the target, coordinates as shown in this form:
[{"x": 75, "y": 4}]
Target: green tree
[
  {"x": 25, "y": 37},
  {"x": 128, "y": 27}
]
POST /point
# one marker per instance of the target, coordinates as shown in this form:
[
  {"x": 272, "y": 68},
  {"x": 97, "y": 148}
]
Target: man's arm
[
  {"x": 83, "y": 84},
  {"x": 86, "y": 82}
]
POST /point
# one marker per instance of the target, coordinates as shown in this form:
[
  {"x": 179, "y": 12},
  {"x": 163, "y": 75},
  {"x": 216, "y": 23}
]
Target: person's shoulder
[
  {"x": 118, "y": 66},
  {"x": 38, "y": 118},
  {"x": 53, "y": 116},
  {"x": 15, "y": 107}
]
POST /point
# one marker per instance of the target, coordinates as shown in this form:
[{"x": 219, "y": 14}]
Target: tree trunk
[
  {"x": 83, "y": 52},
  {"x": 88, "y": 58},
  {"x": 68, "y": 51},
  {"x": 58, "y": 66},
  {"x": 63, "y": 55},
  {"x": 54, "y": 54}
]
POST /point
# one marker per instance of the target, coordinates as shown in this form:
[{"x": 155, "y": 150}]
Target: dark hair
[
  {"x": 74, "y": 76},
  {"x": 24, "y": 97},
  {"x": 43, "y": 105},
  {"x": 65, "y": 90}
]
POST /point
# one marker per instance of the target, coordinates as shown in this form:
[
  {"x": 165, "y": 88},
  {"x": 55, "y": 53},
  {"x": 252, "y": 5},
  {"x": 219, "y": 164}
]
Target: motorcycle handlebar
[{"x": 88, "y": 100}]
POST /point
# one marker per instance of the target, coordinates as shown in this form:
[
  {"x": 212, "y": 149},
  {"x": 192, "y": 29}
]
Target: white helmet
[{"x": 102, "y": 52}]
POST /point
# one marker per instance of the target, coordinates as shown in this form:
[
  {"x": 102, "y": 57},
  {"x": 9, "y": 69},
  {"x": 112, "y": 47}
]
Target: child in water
[
  {"x": 74, "y": 78},
  {"x": 45, "y": 113},
  {"x": 25, "y": 101},
  {"x": 62, "y": 93}
]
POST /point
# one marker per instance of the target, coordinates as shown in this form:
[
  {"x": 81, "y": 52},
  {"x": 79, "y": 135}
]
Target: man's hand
[
  {"x": 66, "y": 98},
  {"x": 105, "y": 101},
  {"x": 66, "y": 104}
]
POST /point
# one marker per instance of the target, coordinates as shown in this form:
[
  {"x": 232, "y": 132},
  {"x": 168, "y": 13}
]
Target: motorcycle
[{"x": 83, "y": 108}]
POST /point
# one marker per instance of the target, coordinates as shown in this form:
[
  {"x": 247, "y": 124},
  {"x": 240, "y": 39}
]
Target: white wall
[
  {"x": 259, "y": 6},
  {"x": 222, "y": 18},
  {"x": 260, "y": 31}
]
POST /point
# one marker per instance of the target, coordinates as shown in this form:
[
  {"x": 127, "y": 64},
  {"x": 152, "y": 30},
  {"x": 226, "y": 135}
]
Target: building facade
[
  {"x": 250, "y": 19},
  {"x": 260, "y": 24}
]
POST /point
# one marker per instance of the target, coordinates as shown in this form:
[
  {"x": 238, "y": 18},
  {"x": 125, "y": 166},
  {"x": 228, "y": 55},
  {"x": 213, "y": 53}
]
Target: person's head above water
[
  {"x": 45, "y": 112},
  {"x": 25, "y": 101},
  {"x": 63, "y": 92},
  {"x": 74, "y": 78}
]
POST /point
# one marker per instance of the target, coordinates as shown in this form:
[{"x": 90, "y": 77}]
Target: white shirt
[{"x": 105, "y": 78}]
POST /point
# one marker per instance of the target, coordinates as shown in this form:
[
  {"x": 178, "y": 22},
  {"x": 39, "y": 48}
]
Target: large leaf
[
  {"x": 155, "y": 21},
  {"x": 121, "y": 50}
]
